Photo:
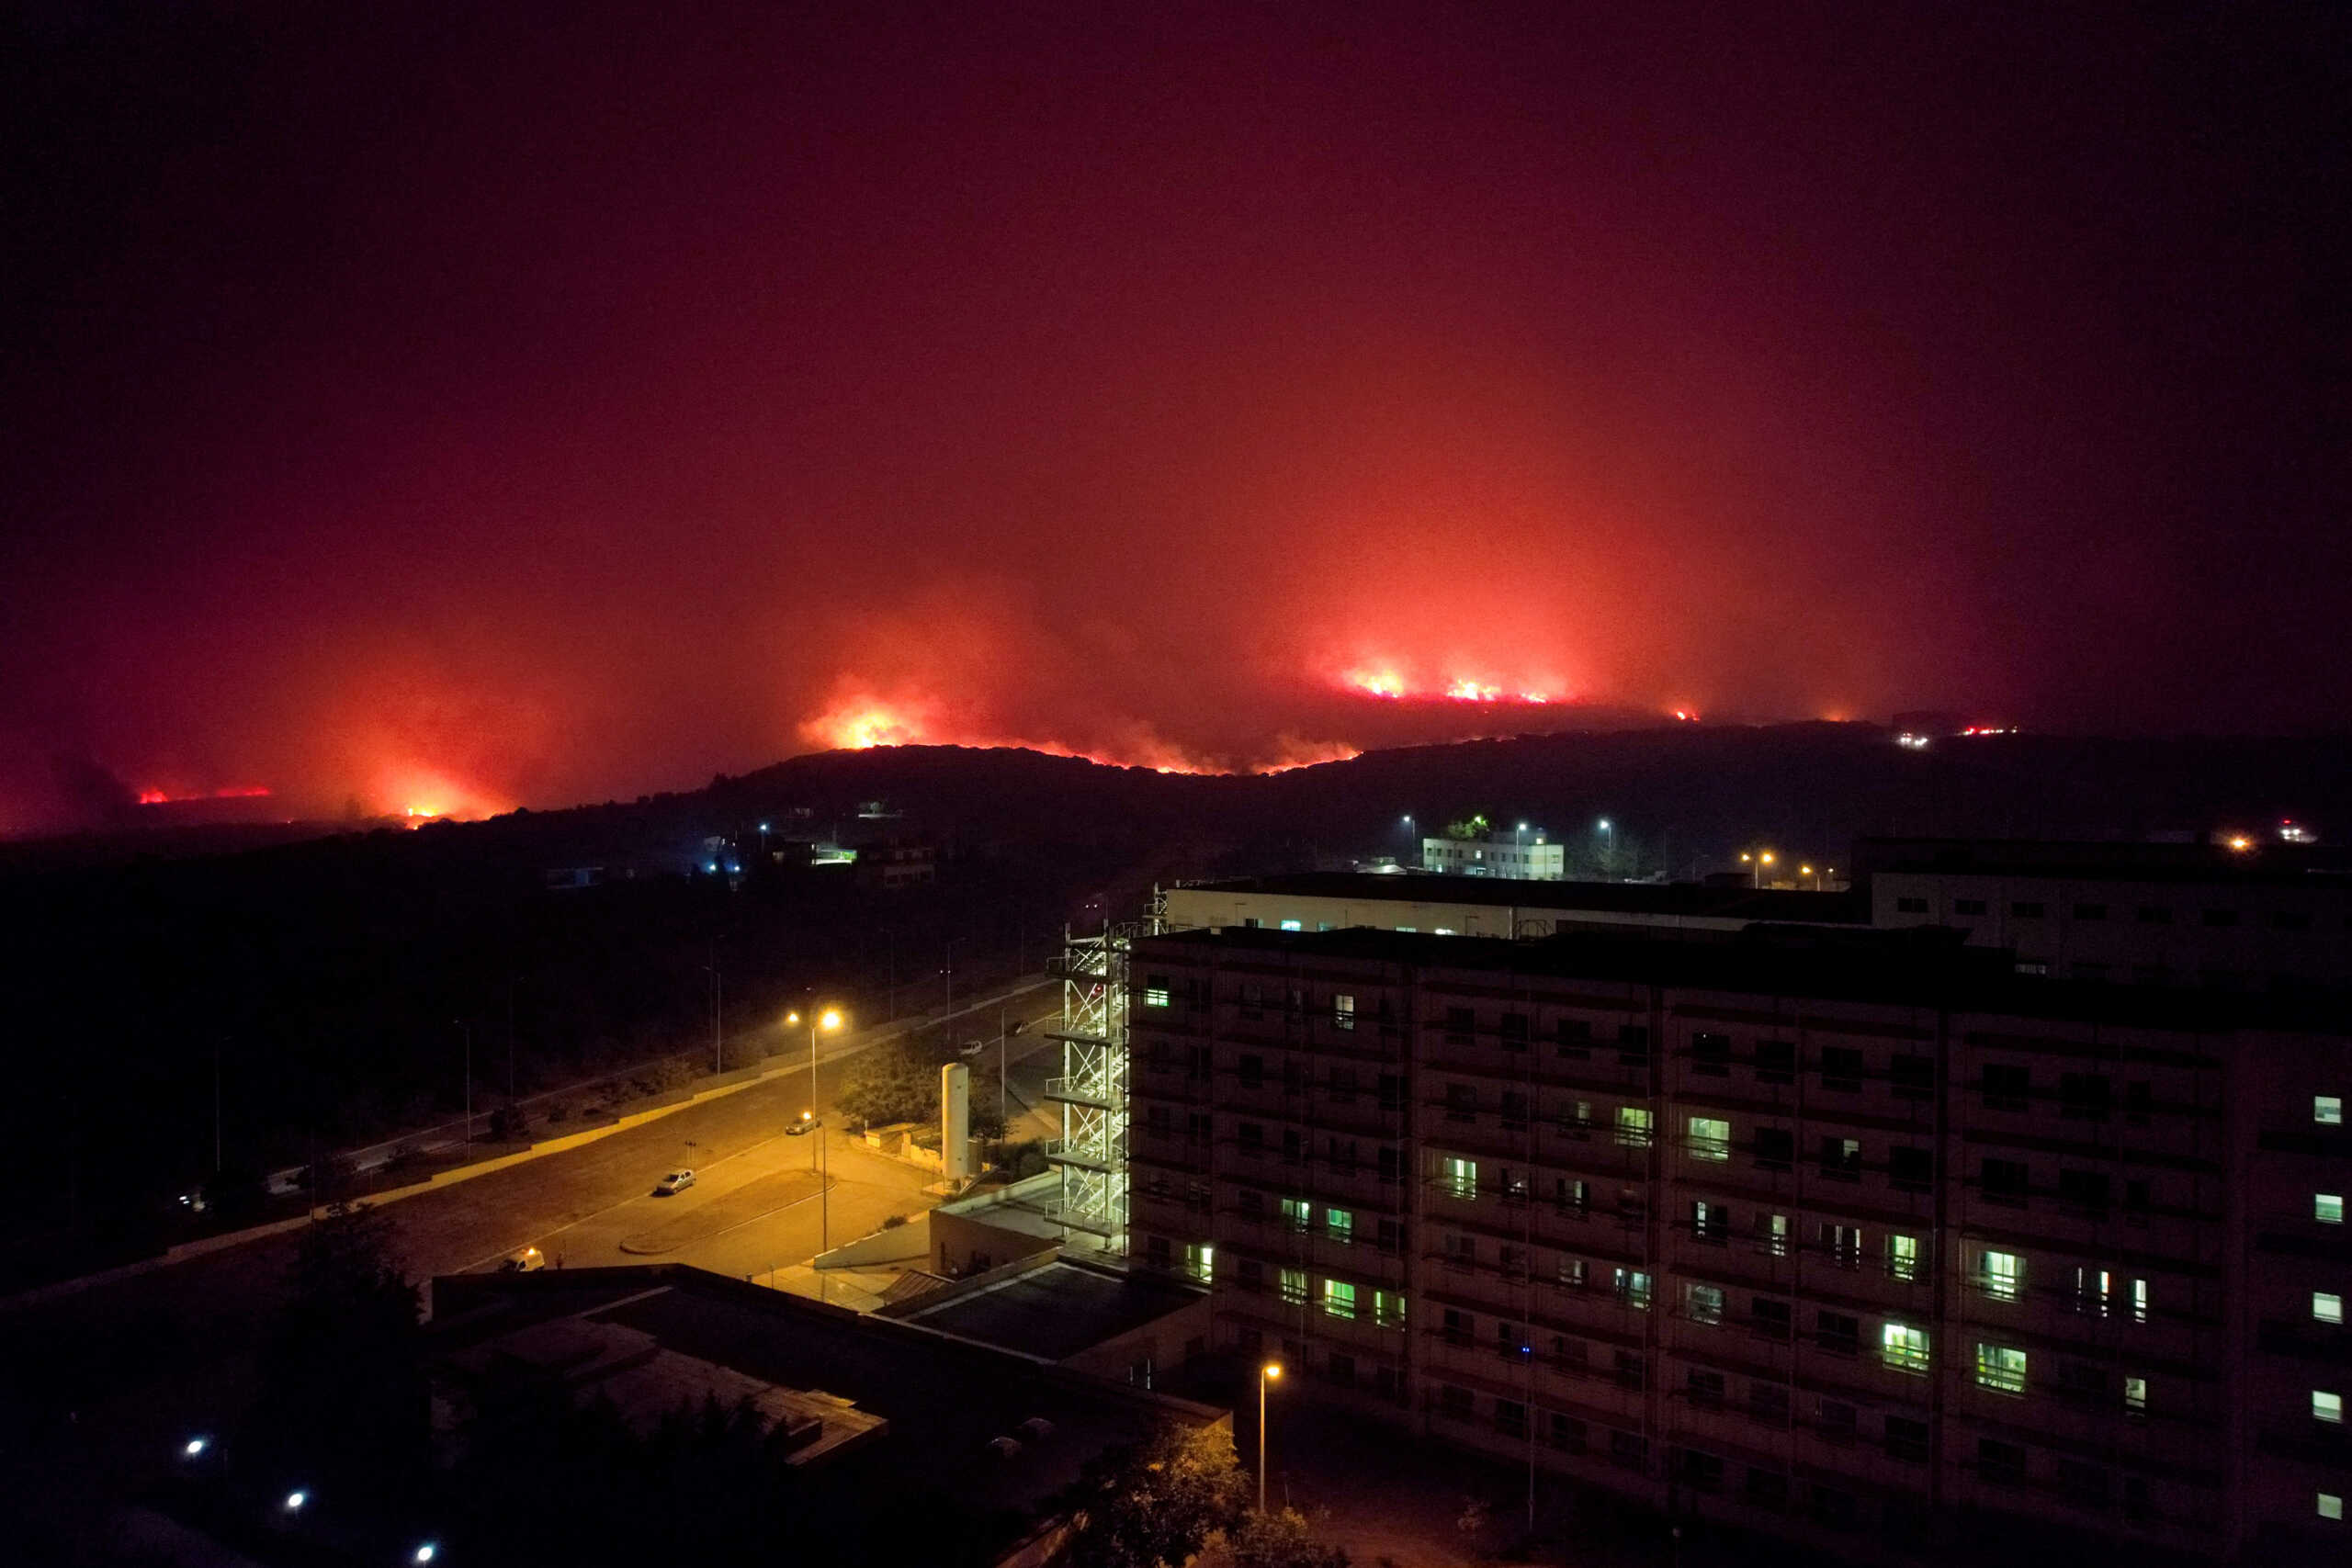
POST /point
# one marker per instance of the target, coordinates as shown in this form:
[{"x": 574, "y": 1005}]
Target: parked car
[
  {"x": 677, "y": 1181},
  {"x": 530, "y": 1261},
  {"x": 971, "y": 1047},
  {"x": 807, "y": 1123}
]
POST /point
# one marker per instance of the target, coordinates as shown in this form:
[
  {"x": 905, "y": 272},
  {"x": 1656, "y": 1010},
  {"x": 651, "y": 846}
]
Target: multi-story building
[
  {"x": 1822, "y": 1232},
  {"x": 1498, "y": 854},
  {"x": 2266, "y": 916}
]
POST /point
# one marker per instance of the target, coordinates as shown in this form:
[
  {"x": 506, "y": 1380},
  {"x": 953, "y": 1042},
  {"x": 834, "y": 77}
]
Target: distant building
[
  {"x": 897, "y": 863},
  {"x": 2268, "y": 917},
  {"x": 1857, "y": 1237},
  {"x": 1520, "y": 858}
]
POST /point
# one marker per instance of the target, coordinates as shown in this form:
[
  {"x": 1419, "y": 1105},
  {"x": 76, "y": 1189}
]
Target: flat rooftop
[
  {"x": 941, "y": 1400},
  {"x": 1903, "y": 966},
  {"x": 1685, "y": 899},
  {"x": 1053, "y": 1311}
]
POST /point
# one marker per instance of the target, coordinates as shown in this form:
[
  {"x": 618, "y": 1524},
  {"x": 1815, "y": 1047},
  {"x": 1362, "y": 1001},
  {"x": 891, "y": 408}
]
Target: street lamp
[
  {"x": 830, "y": 1018},
  {"x": 1761, "y": 862},
  {"x": 1271, "y": 1372}
]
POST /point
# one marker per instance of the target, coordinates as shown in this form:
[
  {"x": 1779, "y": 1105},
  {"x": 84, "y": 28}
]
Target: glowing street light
[
  {"x": 295, "y": 1499},
  {"x": 830, "y": 1018},
  {"x": 195, "y": 1447},
  {"x": 1271, "y": 1372},
  {"x": 425, "y": 1553}
]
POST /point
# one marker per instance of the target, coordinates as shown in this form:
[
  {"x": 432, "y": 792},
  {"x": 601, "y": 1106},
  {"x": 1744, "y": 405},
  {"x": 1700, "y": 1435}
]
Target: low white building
[{"x": 1521, "y": 857}]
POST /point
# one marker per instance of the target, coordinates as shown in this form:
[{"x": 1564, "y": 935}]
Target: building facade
[
  {"x": 1518, "y": 856},
  {"x": 2269, "y": 918},
  {"x": 1844, "y": 1235}
]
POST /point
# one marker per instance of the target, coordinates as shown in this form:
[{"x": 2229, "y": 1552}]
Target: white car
[
  {"x": 530, "y": 1261},
  {"x": 677, "y": 1181}
]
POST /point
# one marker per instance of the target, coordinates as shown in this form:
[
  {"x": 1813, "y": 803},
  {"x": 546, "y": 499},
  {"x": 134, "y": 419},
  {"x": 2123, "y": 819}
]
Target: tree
[
  {"x": 1156, "y": 1504},
  {"x": 1279, "y": 1540},
  {"x": 342, "y": 1391}
]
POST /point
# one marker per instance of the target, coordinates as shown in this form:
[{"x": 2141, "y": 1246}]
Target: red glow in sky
[{"x": 1200, "y": 388}]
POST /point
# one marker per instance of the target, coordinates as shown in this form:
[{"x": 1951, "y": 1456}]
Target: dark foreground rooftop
[{"x": 945, "y": 1400}]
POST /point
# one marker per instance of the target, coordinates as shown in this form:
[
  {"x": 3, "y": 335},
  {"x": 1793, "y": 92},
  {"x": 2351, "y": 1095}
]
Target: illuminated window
[
  {"x": 1903, "y": 1257},
  {"x": 1339, "y": 1298},
  {"x": 1388, "y": 1308},
  {"x": 1710, "y": 1138},
  {"x": 2091, "y": 1286},
  {"x": 1633, "y": 1127},
  {"x": 1343, "y": 1012},
  {"x": 2135, "y": 1394},
  {"x": 1772, "y": 1234},
  {"x": 1702, "y": 1304},
  {"x": 1294, "y": 1282},
  {"x": 2000, "y": 1367},
  {"x": 2327, "y": 1307},
  {"x": 2331, "y": 1507},
  {"x": 1904, "y": 1348},
  {"x": 2139, "y": 1300},
  {"x": 1339, "y": 1224},
  {"x": 1292, "y": 926},
  {"x": 2327, "y": 1208},
  {"x": 1298, "y": 1214},
  {"x": 1156, "y": 995},
  {"x": 2327, "y": 1110},
  {"x": 2004, "y": 1276},
  {"x": 1634, "y": 1289},
  {"x": 1200, "y": 1262},
  {"x": 1459, "y": 1178},
  {"x": 2327, "y": 1408}
]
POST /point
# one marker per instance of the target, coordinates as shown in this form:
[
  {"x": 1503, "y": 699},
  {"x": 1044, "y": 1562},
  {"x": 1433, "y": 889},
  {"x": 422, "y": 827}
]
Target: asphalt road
[{"x": 115, "y": 1376}]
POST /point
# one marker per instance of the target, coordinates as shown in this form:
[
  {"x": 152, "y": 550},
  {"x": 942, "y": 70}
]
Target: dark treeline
[{"x": 336, "y": 987}]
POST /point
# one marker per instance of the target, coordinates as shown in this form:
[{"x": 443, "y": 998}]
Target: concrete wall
[
  {"x": 1162, "y": 1342},
  {"x": 900, "y": 1243}
]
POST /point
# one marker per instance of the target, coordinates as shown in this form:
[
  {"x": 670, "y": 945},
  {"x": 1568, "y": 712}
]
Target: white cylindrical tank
[{"x": 956, "y": 1122}]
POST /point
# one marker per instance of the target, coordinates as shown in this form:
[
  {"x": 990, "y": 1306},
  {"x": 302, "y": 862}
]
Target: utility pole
[
  {"x": 216, "y": 1107},
  {"x": 1002, "y": 1130},
  {"x": 468, "y": 1031}
]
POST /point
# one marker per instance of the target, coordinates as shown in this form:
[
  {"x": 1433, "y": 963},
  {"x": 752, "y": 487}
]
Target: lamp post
[
  {"x": 830, "y": 1018},
  {"x": 468, "y": 1031},
  {"x": 1271, "y": 1372}
]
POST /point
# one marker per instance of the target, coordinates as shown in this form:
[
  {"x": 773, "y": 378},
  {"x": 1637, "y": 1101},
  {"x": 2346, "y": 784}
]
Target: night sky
[{"x": 455, "y": 407}]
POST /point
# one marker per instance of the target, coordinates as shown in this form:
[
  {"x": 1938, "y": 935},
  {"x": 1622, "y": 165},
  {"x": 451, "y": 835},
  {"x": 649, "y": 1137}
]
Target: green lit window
[
  {"x": 1388, "y": 1308},
  {"x": 2327, "y": 1208},
  {"x": 1710, "y": 1138},
  {"x": 1634, "y": 1127},
  {"x": 2327, "y": 1306},
  {"x": 1634, "y": 1289},
  {"x": 2135, "y": 1394},
  {"x": 1200, "y": 1262},
  {"x": 1903, "y": 1257},
  {"x": 1298, "y": 1214},
  {"x": 1339, "y": 1298},
  {"x": 1459, "y": 1178},
  {"x": 1703, "y": 1304},
  {"x": 1340, "y": 1224},
  {"x": 2004, "y": 1276},
  {"x": 2000, "y": 1367},
  {"x": 1904, "y": 1348},
  {"x": 1293, "y": 1282}
]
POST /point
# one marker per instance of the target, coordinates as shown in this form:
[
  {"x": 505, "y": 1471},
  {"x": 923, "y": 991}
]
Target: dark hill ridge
[{"x": 1694, "y": 793}]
